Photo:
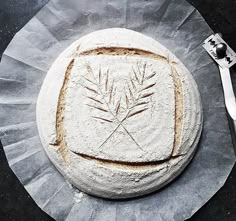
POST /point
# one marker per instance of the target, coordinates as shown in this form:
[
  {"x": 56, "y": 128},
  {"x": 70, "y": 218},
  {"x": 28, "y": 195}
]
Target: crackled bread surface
[{"x": 118, "y": 114}]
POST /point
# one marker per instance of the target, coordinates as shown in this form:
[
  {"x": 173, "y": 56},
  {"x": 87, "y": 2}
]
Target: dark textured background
[{"x": 16, "y": 204}]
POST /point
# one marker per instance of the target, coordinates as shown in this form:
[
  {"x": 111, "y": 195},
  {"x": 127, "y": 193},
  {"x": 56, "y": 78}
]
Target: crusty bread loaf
[{"x": 118, "y": 114}]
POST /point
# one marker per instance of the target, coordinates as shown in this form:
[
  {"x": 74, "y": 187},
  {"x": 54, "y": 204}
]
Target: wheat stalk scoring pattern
[{"x": 102, "y": 95}]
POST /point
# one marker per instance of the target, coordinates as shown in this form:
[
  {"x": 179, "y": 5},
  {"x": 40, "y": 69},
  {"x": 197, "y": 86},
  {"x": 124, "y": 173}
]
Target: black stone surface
[{"x": 16, "y": 204}]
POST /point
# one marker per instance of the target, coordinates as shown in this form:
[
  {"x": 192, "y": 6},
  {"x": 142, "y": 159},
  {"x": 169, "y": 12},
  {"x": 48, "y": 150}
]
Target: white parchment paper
[{"x": 176, "y": 25}]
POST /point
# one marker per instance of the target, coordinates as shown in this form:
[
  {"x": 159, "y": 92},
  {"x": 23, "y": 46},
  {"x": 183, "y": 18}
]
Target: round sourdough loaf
[{"x": 118, "y": 114}]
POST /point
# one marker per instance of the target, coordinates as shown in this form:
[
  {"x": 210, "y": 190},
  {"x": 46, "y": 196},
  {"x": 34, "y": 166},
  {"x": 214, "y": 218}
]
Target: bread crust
[{"x": 111, "y": 138}]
